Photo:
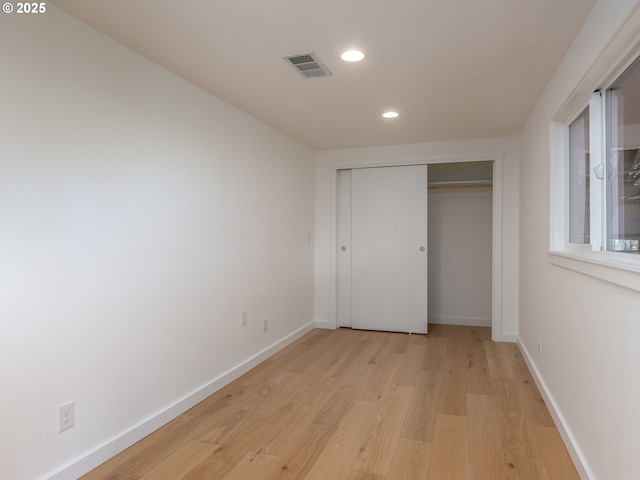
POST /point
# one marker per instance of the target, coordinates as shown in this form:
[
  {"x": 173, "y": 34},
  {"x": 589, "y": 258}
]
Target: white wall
[
  {"x": 327, "y": 163},
  {"x": 460, "y": 256},
  {"x": 589, "y": 328},
  {"x": 138, "y": 216}
]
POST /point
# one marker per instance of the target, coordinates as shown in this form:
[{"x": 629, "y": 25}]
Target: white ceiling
[{"x": 453, "y": 69}]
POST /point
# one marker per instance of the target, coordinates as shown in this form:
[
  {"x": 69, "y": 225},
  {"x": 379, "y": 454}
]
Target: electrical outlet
[
  {"x": 243, "y": 316},
  {"x": 66, "y": 416},
  {"x": 265, "y": 325},
  {"x": 539, "y": 345}
]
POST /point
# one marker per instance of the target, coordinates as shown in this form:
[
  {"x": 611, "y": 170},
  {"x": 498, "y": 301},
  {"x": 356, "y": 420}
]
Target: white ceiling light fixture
[
  {"x": 390, "y": 114},
  {"x": 352, "y": 55}
]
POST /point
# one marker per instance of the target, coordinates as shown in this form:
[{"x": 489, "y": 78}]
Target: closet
[
  {"x": 414, "y": 246},
  {"x": 460, "y": 243}
]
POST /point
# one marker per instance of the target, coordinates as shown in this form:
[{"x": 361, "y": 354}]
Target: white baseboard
[
  {"x": 504, "y": 337},
  {"x": 112, "y": 447},
  {"x": 466, "y": 321},
  {"x": 326, "y": 324},
  {"x": 569, "y": 440}
]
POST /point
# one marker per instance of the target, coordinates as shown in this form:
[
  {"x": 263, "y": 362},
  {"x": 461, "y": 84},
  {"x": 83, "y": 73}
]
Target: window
[
  {"x": 579, "y": 193},
  {"x": 602, "y": 173},
  {"x": 623, "y": 162}
]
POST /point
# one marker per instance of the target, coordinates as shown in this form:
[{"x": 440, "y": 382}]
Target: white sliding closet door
[
  {"x": 388, "y": 249},
  {"x": 344, "y": 252}
]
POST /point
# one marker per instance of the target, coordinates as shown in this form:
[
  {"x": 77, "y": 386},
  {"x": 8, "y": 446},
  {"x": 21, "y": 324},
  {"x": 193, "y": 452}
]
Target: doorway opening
[
  {"x": 460, "y": 243},
  {"x": 456, "y": 255}
]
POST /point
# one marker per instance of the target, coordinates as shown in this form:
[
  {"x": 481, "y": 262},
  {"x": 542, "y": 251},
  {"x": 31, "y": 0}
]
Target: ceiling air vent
[{"x": 308, "y": 65}]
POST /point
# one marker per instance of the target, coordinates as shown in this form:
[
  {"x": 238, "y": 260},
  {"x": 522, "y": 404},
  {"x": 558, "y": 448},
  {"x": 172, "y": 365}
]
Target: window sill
[{"x": 616, "y": 268}]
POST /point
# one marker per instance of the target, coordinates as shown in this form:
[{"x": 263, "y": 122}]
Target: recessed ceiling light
[
  {"x": 352, "y": 55},
  {"x": 390, "y": 114}
]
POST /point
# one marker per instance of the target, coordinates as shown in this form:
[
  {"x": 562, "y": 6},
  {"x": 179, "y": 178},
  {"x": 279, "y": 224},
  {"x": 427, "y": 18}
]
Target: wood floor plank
[
  {"x": 300, "y": 453},
  {"x": 412, "y": 362},
  {"x": 410, "y": 460},
  {"x": 336, "y": 407},
  {"x": 422, "y": 411},
  {"x": 142, "y": 456},
  {"x": 229, "y": 396},
  {"x": 301, "y": 410},
  {"x": 499, "y": 365},
  {"x": 272, "y": 366},
  {"x": 478, "y": 379},
  {"x": 359, "y": 349},
  {"x": 241, "y": 414},
  {"x": 557, "y": 465},
  {"x": 356, "y": 405},
  {"x": 365, "y": 476},
  {"x": 234, "y": 448},
  {"x": 449, "y": 450},
  {"x": 376, "y": 454},
  {"x": 258, "y": 431},
  {"x": 452, "y": 398},
  {"x": 437, "y": 330},
  {"x": 381, "y": 350},
  {"x": 400, "y": 342},
  {"x": 322, "y": 354},
  {"x": 458, "y": 340},
  {"x": 302, "y": 360},
  {"x": 253, "y": 465},
  {"x": 480, "y": 334},
  {"x": 262, "y": 431},
  {"x": 524, "y": 468},
  {"x": 287, "y": 392},
  {"x": 382, "y": 378},
  {"x": 516, "y": 431},
  {"x": 118, "y": 476},
  {"x": 535, "y": 408},
  {"x": 514, "y": 357},
  {"x": 435, "y": 349},
  {"x": 417, "y": 338},
  {"x": 315, "y": 337},
  {"x": 338, "y": 456},
  {"x": 179, "y": 463},
  {"x": 214, "y": 466},
  {"x": 361, "y": 377},
  {"x": 485, "y": 456}
]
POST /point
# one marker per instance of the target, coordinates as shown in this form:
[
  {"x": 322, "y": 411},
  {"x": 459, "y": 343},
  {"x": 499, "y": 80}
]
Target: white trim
[
  {"x": 616, "y": 268},
  {"x": 568, "y": 438},
  {"x": 506, "y": 337},
  {"x": 616, "y": 56},
  {"x": 495, "y": 156},
  {"x": 597, "y": 159},
  {"x": 109, "y": 449},
  {"x": 497, "y": 333},
  {"x": 344, "y": 298},
  {"x": 420, "y": 159},
  {"x": 325, "y": 324},
  {"x": 558, "y": 185}
]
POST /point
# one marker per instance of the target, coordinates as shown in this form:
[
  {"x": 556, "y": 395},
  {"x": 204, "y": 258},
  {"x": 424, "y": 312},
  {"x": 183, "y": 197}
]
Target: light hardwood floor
[{"x": 358, "y": 405}]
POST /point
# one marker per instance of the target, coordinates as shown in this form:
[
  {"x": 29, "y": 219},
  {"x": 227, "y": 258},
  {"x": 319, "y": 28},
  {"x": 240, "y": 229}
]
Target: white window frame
[
  {"x": 590, "y": 259},
  {"x": 563, "y": 135},
  {"x": 597, "y": 167}
]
